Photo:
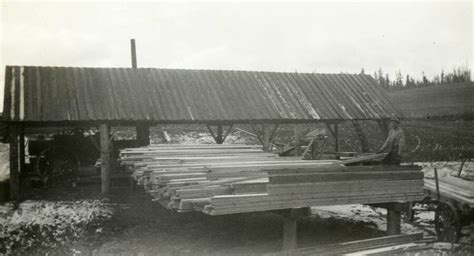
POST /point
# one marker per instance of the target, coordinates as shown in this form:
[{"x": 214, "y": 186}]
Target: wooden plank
[
  {"x": 253, "y": 207},
  {"x": 202, "y": 192},
  {"x": 167, "y": 177},
  {"x": 258, "y": 164},
  {"x": 348, "y": 247},
  {"x": 316, "y": 185},
  {"x": 459, "y": 183},
  {"x": 321, "y": 187},
  {"x": 320, "y": 177},
  {"x": 222, "y": 157},
  {"x": 193, "y": 204},
  {"x": 389, "y": 250},
  {"x": 232, "y": 200},
  {"x": 262, "y": 167},
  {"x": 194, "y": 145},
  {"x": 261, "y": 207},
  {"x": 235, "y": 200},
  {"x": 355, "y": 190},
  {"x": 250, "y": 174},
  {"x": 449, "y": 189},
  {"x": 219, "y": 182},
  {"x": 340, "y": 168},
  {"x": 372, "y": 157},
  {"x": 452, "y": 196},
  {"x": 201, "y": 181},
  {"x": 195, "y": 151},
  {"x": 251, "y": 186},
  {"x": 165, "y": 147}
]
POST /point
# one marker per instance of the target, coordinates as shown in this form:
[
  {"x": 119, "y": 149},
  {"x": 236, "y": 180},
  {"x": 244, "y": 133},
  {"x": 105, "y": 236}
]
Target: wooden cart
[{"x": 452, "y": 199}]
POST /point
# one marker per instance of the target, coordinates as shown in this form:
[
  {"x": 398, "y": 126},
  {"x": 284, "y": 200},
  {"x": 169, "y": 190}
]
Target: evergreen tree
[
  {"x": 380, "y": 78},
  {"x": 398, "y": 79},
  {"x": 387, "y": 81},
  {"x": 408, "y": 82},
  {"x": 425, "y": 80}
]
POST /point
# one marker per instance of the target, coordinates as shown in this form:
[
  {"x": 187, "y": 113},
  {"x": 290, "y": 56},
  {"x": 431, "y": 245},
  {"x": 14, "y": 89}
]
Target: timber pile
[
  {"x": 453, "y": 188},
  {"x": 389, "y": 245},
  {"x": 225, "y": 179}
]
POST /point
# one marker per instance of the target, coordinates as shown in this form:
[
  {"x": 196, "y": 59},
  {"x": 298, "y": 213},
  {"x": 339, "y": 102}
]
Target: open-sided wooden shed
[{"x": 143, "y": 97}]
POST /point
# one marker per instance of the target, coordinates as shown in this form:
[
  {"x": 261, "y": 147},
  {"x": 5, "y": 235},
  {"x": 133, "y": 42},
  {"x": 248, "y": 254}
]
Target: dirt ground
[{"x": 138, "y": 226}]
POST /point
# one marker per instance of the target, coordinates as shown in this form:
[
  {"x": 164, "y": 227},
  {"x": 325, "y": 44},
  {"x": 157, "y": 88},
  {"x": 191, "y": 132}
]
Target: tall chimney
[{"x": 134, "y": 53}]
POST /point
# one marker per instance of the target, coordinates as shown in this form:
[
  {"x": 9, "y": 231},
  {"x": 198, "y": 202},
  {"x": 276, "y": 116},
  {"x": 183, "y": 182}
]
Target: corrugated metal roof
[{"x": 172, "y": 95}]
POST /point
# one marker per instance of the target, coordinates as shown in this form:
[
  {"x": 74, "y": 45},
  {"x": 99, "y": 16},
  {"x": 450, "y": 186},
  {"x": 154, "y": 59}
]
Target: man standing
[{"x": 394, "y": 144}]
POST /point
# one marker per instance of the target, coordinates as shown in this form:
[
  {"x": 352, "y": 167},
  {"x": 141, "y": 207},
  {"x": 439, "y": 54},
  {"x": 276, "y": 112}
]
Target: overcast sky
[{"x": 303, "y": 37}]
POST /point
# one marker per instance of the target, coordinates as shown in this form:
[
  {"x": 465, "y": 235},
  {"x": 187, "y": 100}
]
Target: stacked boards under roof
[
  {"x": 54, "y": 94},
  {"x": 225, "y": 179}
]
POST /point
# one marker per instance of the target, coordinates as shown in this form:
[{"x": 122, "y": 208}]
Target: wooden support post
[
  {"x": 266, "y": 138},
  {"x": 393, "y": 222},
  {"x": 297, "y": 140},
  {"x": 336, "y": 138},
  {"x": 105, "y": 165},
  {"x": 14, "y": 164},
  {"x": 290, "y": 217},
  {"x": 21, "y": 149},
  {"x": 143, "y": 135},
  {"x": 220, "y": 134},
  {"x": 289, "y": 234}
]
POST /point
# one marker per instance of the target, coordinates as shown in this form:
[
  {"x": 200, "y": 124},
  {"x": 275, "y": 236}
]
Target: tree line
[{"x": 400, "y": 82}]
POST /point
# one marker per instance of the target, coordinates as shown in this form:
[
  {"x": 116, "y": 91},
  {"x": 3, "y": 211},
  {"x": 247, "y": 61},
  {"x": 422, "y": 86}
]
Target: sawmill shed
[{"x": 143, "y": 97}]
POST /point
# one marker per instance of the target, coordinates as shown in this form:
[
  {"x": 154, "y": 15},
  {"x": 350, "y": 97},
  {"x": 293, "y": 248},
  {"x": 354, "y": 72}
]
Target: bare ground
[
  {"x": 142, "y": 227},
  {"x": 139, "y": 226}
]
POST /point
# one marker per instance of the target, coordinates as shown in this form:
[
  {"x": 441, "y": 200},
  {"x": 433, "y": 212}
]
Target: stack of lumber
[
  {"x": 387, "y": 245},
  {"x": 225, "y": 179},
  {"x": 332, "y": 184},
  {"x": 452, "y": 188}
]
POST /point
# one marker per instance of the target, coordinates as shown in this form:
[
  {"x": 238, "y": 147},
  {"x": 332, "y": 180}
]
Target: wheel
[{"x": 447, "y": 223}]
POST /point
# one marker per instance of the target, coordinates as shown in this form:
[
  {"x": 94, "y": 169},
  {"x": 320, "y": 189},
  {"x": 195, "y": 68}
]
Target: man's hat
[{"x": 394, "y": 119}]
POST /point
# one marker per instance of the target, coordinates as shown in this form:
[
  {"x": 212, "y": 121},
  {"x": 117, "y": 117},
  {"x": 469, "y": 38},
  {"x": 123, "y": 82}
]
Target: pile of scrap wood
[
  {"x": 452, "y": 188},
  {"x": 387, "y": 245},
  {"x": 225, "y": 179}
]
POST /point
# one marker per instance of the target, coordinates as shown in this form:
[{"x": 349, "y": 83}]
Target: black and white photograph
[{"x": 271, "y": 128}]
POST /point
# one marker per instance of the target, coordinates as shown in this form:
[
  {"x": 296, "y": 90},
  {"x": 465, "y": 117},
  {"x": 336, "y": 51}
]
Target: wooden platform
[{"x": 227, "y": 179}]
